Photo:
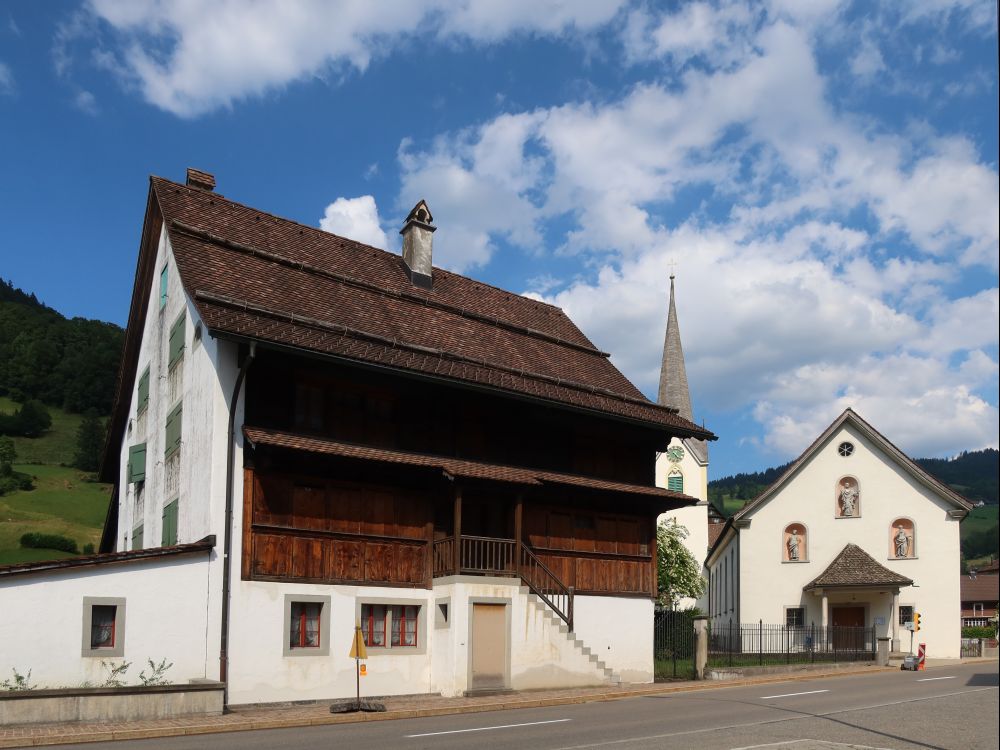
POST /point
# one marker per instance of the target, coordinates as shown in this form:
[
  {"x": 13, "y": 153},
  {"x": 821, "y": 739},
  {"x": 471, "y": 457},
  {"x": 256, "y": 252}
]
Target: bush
[
  {"x": 88, "y": 548},
  {"x": 979, "y": 631},
  {"x": 14, "y": 481},
  {"x": 31, "y": 420},
  {"x": 36, "y": 540}
]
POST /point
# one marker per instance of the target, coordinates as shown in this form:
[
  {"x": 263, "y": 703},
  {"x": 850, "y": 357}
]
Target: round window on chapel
[{"x": 845, "y": 449}]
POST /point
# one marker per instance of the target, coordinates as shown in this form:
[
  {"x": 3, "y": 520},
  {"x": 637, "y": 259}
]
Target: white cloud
[
  {"x": 189, "y": 58},
  {"x": 356, "y": 219},
  {"x": 7, "y": 86},
  {"x": 86, "y": 102},
  {"x": 812, "y": 278}
]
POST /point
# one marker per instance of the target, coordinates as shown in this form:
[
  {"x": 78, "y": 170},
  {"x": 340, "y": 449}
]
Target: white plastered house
[
  {"x": 311, "y": 433},
  {"x": 854, "y": 533}
]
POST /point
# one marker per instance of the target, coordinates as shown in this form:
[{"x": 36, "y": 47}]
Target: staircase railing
[
  {"x": 491, "y": 556},
  {"x": 546, "y": 585}
]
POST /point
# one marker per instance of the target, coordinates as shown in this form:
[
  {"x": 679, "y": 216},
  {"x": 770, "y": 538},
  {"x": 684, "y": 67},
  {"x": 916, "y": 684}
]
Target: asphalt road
[{"x": 941, "y": 708}]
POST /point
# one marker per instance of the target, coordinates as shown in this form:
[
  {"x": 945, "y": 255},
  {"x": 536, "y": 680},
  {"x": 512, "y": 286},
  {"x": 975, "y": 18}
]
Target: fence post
[
  {"x": 788, "y": 656},
  {"x": 812, "y": 644},
  {"x": 700, "y": 646},
  {"x": 760, "y": 642}
]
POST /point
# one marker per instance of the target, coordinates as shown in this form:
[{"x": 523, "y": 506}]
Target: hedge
[{"x": 49, "y": 541}]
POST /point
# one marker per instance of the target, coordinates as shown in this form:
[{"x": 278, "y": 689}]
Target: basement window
[{"x": 103, "y": 626}]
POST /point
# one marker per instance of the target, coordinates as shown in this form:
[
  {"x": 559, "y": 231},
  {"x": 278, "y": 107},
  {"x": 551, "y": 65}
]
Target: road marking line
[
  {"x": 487, "y": 729},
  {"x": 783, "y": 720},
  {"x": 789, "y": 695},
  {"x": 931, "y": 679}
]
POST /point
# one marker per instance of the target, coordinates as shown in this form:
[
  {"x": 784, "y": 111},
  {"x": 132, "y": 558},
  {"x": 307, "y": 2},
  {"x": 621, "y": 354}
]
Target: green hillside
[
  {"x": 69, "y": 365},
  {"x": 63, "y": 502}
]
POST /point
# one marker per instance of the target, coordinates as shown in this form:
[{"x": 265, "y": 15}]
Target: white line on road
[
  {"x": 931, "y": 679},
  {"x": 486, "y": 729},
  {"x": 785, "y": 719},
  {"x": 789, "y": 695}
]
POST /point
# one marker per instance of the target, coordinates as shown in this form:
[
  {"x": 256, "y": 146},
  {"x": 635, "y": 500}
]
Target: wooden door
[
  {"x": 489, "y": 646},
  {"x": 847, "y": 628},
  {"x": 853, "y": 617}
]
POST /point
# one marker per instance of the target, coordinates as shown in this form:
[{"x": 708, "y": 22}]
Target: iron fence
[
  {"x": 673, "y": 645},
  {"x": 971, "y": 647},
  {"x": 757, "y": 644}
]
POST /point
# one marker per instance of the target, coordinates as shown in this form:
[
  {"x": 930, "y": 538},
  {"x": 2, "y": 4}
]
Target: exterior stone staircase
[{"x": 606, "y": 674}]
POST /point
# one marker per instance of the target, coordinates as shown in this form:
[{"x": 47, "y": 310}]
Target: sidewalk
[{"x": 277, "y": 717}]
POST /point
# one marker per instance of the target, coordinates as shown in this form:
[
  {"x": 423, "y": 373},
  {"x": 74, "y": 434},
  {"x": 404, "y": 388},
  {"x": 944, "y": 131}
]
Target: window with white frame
[
  {"x": 795, "y": 617},
  {"x": 103, "y": 626},
  {"x": 977, "y": 608},
  {"x": 307, "y": 625}
]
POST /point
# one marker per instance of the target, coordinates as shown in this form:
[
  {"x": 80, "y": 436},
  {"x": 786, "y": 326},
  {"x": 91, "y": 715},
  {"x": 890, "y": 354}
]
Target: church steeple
[{"x": 673, "y": 376}]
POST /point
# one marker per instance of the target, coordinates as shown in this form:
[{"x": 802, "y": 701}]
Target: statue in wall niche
[
  {"x": 793, "y": 545},
  {"x": 848, "y": 498},
  {"x": 902, "y": 541}
]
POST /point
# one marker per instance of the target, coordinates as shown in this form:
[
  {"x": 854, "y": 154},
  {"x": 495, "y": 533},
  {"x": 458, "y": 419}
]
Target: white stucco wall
[
  {"x": 888, "y": 492},
  {"x": 540, "y": 655},
  {"x": 208, "y": 374},
  {"x": 165, "y": 617},
  {"x": 620, "y": 631}
]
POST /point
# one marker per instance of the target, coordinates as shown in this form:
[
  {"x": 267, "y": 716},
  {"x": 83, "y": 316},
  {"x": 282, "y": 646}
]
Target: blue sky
[{"x": 824, "y": 175}]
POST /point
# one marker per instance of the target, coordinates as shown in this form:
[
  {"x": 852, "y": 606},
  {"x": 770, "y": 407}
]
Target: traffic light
[{"x": 916, "y": 621}]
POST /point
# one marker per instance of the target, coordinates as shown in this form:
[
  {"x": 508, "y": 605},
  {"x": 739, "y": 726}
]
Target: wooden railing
[
  {"x": 482, "y": 555},
  {"x": 546, "y": 585}
]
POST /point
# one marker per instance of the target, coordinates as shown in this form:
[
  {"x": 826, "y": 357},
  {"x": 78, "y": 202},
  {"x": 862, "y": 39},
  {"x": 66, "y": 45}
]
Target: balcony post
[
  {"x": 518, "y": 515},
  {"x": 458, "y": 530}
]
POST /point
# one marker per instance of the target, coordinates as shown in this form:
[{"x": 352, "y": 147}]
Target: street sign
[{"x": 908, "y": 625}]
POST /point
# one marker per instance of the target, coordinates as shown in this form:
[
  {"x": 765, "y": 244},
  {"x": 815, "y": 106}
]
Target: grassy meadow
[{"x": 65, "y": 501}]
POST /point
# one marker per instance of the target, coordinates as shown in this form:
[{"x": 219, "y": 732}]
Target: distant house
[
  {"x": 854, "y": 533},
  {"x": 310, "y": 433},
  {"x": 980, "y": 596}
]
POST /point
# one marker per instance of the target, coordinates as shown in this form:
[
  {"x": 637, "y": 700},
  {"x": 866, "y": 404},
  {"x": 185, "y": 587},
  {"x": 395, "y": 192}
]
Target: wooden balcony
[{"x": 479, "y": 555}]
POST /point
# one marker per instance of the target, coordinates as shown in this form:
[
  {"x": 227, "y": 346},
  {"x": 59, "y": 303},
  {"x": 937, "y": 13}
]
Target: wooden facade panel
[
  {"x": 411, "y": 563},
  {"x": 347, "y": 562},
  {"x": 345, "y": 509},
  {"x": 309, "y": 557},
  {"x": 309, "y": 506},
  {"x": 272, "y": 555},
  {"x": 379, "y": 562}
]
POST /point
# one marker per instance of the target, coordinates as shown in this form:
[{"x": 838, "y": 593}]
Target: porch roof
[
  {"x": 855, "y": 567},
  {"x": 456, "y": 467}
]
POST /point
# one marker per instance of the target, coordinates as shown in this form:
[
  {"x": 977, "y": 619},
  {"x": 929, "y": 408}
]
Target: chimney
[
  {"x": 418, "y": 245},
  {"x": 201, "y": 180}
]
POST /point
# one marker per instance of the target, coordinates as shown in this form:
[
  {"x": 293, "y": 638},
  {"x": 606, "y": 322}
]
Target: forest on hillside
[{"x": 67, "y": 363}]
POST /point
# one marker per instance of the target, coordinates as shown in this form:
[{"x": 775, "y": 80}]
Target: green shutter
[
  {"x": 137, "y": 463},
  {"x": 169, "y": 535},
  {"x": 173, "y": 437},
  {"x": 675, "y": 483},
  {"x": 177, "y": 339},
  {"x": 163, "y": 288},
  {"x": 143, "y": 391},
  {"x": 137, "y": 537}
]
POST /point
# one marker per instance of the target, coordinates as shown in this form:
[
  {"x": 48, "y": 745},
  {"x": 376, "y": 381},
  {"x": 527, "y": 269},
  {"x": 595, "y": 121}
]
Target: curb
[{"x": 332, "y": 719}]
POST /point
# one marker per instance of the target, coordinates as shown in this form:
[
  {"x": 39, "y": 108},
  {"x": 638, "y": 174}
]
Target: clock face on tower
[{"x": 675, "y": 453}]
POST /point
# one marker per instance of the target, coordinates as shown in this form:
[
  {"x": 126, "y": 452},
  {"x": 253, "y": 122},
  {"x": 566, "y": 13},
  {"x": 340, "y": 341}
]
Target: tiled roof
[
  {"x": 456, "y": 467},
  {"x": 257, "y": 276},
  {"x": 714, "y": 532},
  {"x": 981, "y": 588},
  {"x": 108, "y": 558},
  {"x": 855, "y": 567}
]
